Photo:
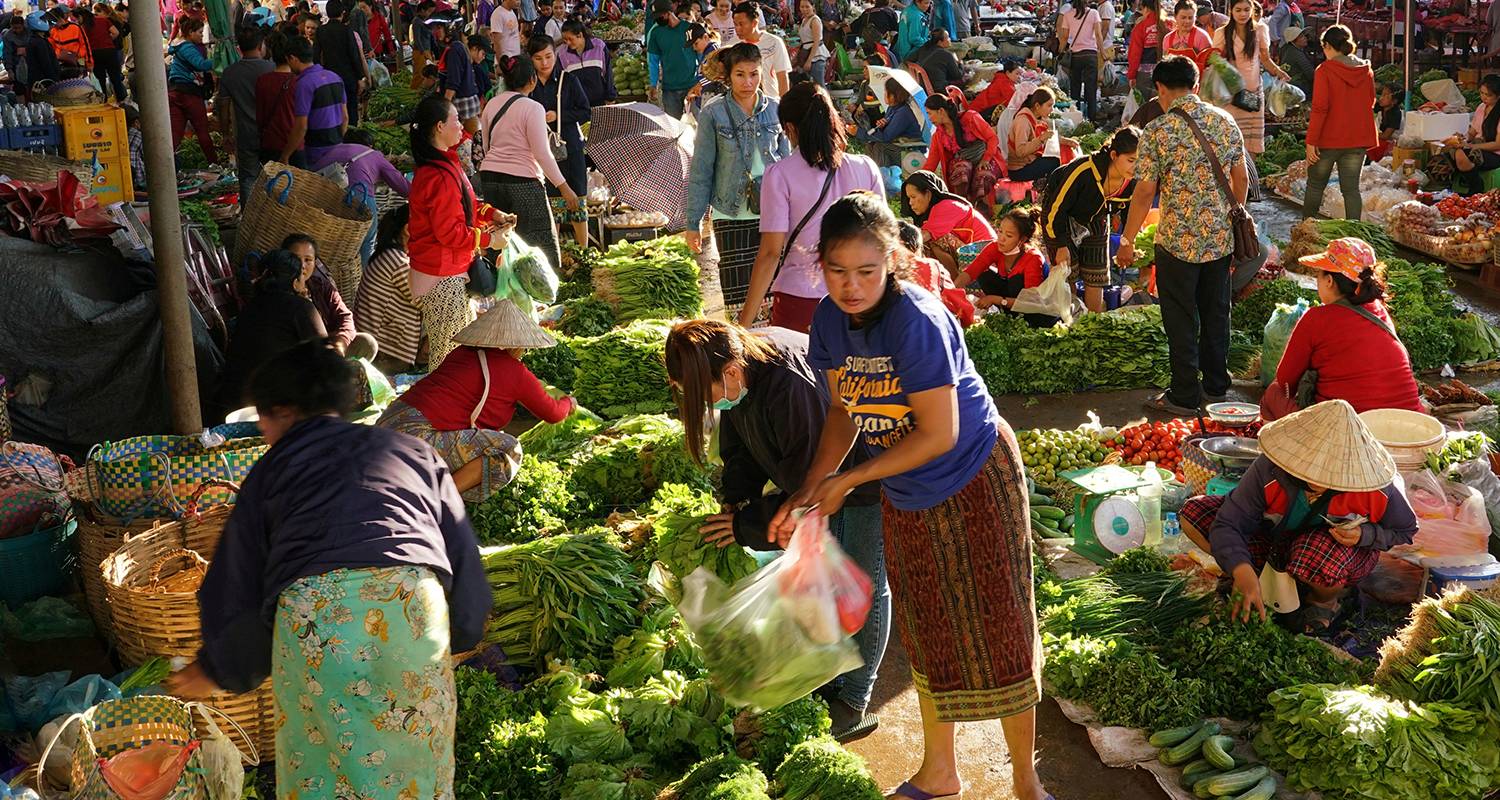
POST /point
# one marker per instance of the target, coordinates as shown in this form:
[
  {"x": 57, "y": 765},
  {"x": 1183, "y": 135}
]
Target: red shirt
[
  {"x": 1343, "y": 95},
  {"x": 933, "y": 276},
  {"x": 1355, "y": 360},
  {"x": 448, "y": 395},
  {"x": 996, "y": 95},
  {"x": 443, "y": 239},
  {"x": 273, "y": 108},
  {"x": 1146, "y": 35},
  {"x": 1028, "y": 264},
  {"x": 98, "y": 34}
]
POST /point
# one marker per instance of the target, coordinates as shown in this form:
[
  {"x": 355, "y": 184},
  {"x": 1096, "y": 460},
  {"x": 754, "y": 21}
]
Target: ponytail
[
  {"x": 697, "y": 353},
  {"x": 1028, "y": 220},
  {"x": 1371, "y": 285},
  {"x": 938, "y": 102},
  {"x": 518, "y": 72},
  {"x": 820, "y": 136}
]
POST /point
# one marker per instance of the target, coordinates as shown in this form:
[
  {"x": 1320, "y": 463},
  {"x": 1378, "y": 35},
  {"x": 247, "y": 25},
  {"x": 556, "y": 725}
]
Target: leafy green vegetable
[
  {"x": 1281, "y": 151},
  {"x": 1251, "y": 314},
  {"x": 1352, "y": 742},
  {"x": 587, "y": 734},
  {"x": 721, "y": 777},
  {"x": 592, "y": 780},
  {"x": 533, "y": 504},
  {"x": 660, "y": 724},
  {"x": 499, "y": 749},
  {"x": 556, "y": 441},
  {"x": 152, "y": 673},
  {"x": 587, "y": 316},
  {"x": 1145, "y": 247},
  {"x": 622, "y": 372},
  {"x": 1474, "y": 340},
  {"x": 649, "y": 279},
  {"x": 1372, "y": 234},
  {"x": 624, "y": 464},
  {"x": 1450, "y": 652},
  {"x": 767, "y": 737},
  {"x": 1241, "y": 663},
  {"x": 1119, "y": 350},
  {"x": 554, "y": 366},
  {"x": 822, "y": 770},
  {"x": 1124, "y": 684},
  {"x": 1459, "y": 449},
  {"x": 1138, "y": 561},
  {"x": 680, "y": 512},
  {"x": 390, "y": 102},
  {"x": 392, "y": 140},
  {"x": 1420, "y": 299},
  {"x": 566, "y": 595},
  {"x": 199, "y": 213},
  {"x": 660, "y": 644}
]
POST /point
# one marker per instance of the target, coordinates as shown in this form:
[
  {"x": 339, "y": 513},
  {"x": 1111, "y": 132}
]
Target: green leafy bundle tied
[
  {"x": 622, "y": 372},
  {"x": 1352, "y": 742},
  {"x": 820, "y": 769},
  {"x": 767, "y": 737},
  {"x": 647, "y": 279},
  {"x": 556, "y": 442},
  {"x": 554, "y": 366},
  {"x": 660, "y": 644},
  {"x": 533, "y": 504},
  {"x": 1251, "y": 314},
  {"x": 569, "y": 596},
  {"x": 592, "y": 780},
  {"x": 1449, "y": 652},
  {"x": 722, "y": 777},
  {"x": 587, "y": 734},
  {"x": 586, "y": 316},
  {"x": 680, "y": 511},
  {"x": 1124, "y": 684},
  {"x": 499, "y": 746}
]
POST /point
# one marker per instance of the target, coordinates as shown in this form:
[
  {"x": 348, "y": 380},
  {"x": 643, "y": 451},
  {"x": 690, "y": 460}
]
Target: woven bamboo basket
[
  {"x": 255, "y": 712},
  {"x": 284, "y": 200},
  {"x": 37, "y": 168},
  {"x": 98, "y": 537},
  {"x": 151, "y": 623}
]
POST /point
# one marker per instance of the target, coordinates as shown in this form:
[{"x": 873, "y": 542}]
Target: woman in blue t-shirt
[{"x": 957, "y": 529}]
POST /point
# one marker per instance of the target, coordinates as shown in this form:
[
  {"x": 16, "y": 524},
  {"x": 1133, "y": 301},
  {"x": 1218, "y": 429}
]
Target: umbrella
[
  {"x": 878, "y": 77},
  {"x": 643, "y": 154}
]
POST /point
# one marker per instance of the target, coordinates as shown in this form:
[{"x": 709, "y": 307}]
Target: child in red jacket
[{"x": 1010, "y": 263}]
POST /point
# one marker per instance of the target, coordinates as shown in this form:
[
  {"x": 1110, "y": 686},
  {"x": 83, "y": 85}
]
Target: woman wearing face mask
[
  {"x": 771, "y": 407},
  {"x": 955, "y": 518},
  {"x": 1010, "y": 263},
  {"x": 739, "y": 136}
]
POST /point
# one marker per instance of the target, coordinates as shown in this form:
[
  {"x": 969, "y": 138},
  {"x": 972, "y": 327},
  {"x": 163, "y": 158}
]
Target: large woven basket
[
  {"x": 37, "y": 168},
  {"x": 98, "y": 537},
  {"x": 286, "y": 200},
  {"x": 155, "y": 623}
]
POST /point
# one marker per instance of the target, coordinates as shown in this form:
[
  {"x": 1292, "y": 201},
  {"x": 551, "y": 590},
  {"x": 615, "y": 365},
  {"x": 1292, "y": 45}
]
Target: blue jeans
[
  {"x": 672, "y": 100},
  {"x": 367, "y": 247},
  {"x": 859, "y": 532}
]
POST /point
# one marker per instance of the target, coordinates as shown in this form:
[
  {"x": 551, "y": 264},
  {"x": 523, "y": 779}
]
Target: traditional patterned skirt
[
  {"x": 975, "y": 182},
  {"x": 499, "y": 451},
  {"x": 364, "y": 683},
  {"x": 446, "y": 310},
  {"x": 1313, "y": 557},
  {"x": 960, "y": 575}
]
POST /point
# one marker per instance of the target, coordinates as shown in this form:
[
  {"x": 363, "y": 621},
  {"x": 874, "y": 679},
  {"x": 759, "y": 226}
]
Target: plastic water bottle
[
  {"x": 1172, "y": 540},
  {"x": 1148, "y": 500}
]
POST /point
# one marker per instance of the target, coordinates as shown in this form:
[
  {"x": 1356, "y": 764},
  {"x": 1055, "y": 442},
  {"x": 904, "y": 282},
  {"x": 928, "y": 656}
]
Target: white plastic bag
[
  {"x": 1132, "y": 105},
  {"x": 784, "y": 631},
  {"x": 1277, "y": 333},
  {"x": 1478, "y": 476},
  {"x": 1053, "y": 297},
  {"x": 1451, "y": 519}
]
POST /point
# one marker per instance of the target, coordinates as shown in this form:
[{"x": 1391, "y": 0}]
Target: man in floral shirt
[{"x": 1194, "y": 241}]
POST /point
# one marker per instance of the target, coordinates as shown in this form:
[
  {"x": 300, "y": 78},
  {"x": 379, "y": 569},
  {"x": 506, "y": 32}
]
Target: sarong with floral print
[{"x": 364, "y": 683}]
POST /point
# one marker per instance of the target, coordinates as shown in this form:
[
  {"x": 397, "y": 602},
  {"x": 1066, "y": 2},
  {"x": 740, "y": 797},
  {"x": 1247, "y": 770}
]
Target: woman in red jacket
[
  {"x": 1010, "y": 263},
  {"x": 462, "y": 407},
  {"x": 1349, "y": 340},
  {"x": 448, "y": 226},
  {"x": 1145, "y": 47},
  {"x": 967, "y": 150},
  {"x": 1341, "y": 127}
]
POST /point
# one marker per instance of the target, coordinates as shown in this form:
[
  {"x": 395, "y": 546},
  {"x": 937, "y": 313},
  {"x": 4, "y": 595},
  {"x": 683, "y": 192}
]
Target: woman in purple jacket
[{"x": 587, "y": 59}]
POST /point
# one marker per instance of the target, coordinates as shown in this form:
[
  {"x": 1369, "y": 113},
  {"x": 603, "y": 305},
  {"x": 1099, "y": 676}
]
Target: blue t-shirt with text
[{"x": 916, "y": 346}]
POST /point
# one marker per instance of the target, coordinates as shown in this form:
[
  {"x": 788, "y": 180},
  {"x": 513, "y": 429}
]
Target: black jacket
[
  {"x": 1075, "y": 193},
  {"x": 942, "y": 67},
  {"x": 772, "y": 436},
  {"x": 576, "y": 108}
]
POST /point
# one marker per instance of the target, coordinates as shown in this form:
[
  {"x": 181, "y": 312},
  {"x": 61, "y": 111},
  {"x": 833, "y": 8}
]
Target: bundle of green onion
[
  {"x": 1111, "y": 603},
  {"x": 566, "y": 596}
]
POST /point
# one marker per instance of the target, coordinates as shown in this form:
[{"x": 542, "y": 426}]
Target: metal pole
[
  {"x": 166, "y": 219},
  {"x": 1408, "y": 33}
]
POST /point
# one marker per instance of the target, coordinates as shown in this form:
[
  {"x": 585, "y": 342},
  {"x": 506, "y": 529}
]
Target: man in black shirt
[
  {"x": 879, "y": 22},
  {"x": 337, "y": 49},
  {"x": 941, "y": 66}
]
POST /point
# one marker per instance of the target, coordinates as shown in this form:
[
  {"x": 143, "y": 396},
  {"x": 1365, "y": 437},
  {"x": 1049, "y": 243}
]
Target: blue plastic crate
[
  {"x": 37, "y": 564},
  {"x": 33, "y": 137}
]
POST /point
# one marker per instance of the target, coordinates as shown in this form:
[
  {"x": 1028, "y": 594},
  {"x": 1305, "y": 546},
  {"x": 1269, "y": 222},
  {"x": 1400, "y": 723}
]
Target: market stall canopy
[{"x": 643, "y": 153}]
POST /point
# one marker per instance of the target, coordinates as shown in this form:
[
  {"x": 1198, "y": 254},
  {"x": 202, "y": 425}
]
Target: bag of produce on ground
[
  {"x": 1053, "y": 297},
  {"x": 1278, "y": 333},
  {"x": 1282, "y": 97},
  {"x": 784, "y": 631},
  {"x": 1451, "y": 519}
]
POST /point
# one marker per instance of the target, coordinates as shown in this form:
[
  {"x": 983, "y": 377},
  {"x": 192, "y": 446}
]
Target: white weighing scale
[{"x": 1106, "y": 519}]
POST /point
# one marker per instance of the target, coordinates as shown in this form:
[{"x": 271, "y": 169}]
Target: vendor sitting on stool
[{"x": 1324, "y": 487}]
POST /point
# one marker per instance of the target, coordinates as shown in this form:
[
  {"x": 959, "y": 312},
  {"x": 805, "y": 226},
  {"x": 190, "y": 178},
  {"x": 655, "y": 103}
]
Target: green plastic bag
[{"x": 1278, "y": 333}]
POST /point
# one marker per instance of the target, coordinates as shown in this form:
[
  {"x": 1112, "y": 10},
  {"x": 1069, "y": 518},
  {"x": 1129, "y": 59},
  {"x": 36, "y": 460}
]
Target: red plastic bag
[
  {"x": 820, "y": 576},
  {"x": 147, "y": 773}
]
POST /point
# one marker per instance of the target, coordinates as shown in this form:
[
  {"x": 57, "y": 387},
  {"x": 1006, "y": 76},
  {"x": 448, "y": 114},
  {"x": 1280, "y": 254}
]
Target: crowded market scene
[{"x": 750, "y": 399}]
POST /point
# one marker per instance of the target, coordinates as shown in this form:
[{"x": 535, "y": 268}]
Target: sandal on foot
[
  {"x": 1160, "y": 403},
  {"x": 1316, "y": 620},
  {"x": 910, "y": 792}
]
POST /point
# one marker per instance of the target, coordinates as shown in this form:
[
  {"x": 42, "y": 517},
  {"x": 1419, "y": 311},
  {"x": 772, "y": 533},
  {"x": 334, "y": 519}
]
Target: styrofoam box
[{"x": 1435, "y": 127}]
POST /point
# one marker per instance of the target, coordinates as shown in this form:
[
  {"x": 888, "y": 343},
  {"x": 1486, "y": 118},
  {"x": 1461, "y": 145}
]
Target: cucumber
[
  {"x": 1230, "y": 783},
  {"x": 1197, "y": 771},
  {"x": 1216, "y": 750},
  {"x": 1048, "y": 533},
  {"x": 1189, "y": 747},
  {"x": 1172, "y": 736},
  {"x": 1066, "y": 524},
  {"x": 1264, "y": 790},
  {"x": 1051, "y": 512},
  {"x": 1037, "y": 499},
  {"x": 1034, "y": 515},
  {"x": 1200, "y": 789}
]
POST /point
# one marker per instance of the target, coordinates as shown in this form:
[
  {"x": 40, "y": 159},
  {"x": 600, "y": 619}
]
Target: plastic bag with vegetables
[
  {"x": 1277, "y": 333},
  {"x": 533, "y": 274},
  {"x": 1220, "y": 82},
  {"x": 1282, "y": 97},
  {"x": 785, "y": 630}
]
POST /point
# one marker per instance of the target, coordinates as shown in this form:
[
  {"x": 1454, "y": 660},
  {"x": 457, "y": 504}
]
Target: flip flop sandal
[
  {"x": 1159, "y": 402},
  {"x": 1316, "y": 620},
  {"x": 906, "y": 790}
]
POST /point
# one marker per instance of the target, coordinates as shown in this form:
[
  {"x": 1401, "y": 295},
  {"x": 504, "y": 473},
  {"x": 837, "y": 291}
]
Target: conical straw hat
[
  {"x": 1328, "y": 445},
  {"x": 504, "y": 327}
]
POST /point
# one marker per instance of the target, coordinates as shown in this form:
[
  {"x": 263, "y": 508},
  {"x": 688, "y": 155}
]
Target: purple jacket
[
  {"x": 337, "y": 318},
  {"x": 364, "y": 166},
  {"x": 334, "y": 495},
  {"x": 592, "y": 69}
]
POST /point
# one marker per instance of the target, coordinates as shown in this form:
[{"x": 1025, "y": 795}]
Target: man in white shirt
[
  {"x": 505, "y": 28},
  {"x": 1107, "y": 16},
  {"x": 775, "y": 63}
]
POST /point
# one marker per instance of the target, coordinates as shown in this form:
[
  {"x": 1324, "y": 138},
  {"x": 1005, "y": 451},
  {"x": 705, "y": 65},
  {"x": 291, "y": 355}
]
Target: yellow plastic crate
[{"x": 94, "y": 130}]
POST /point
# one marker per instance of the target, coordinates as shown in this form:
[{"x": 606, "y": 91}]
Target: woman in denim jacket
[{"x": 739, "y": 136}]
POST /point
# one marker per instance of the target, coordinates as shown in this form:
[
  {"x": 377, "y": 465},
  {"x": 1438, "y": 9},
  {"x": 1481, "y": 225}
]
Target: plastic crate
[
  {"x": 37, "y": 564},
  {"x": 112, "y": 181},
  {"x": 33, "y": 137},
  {"x": 94, "y": 130}
]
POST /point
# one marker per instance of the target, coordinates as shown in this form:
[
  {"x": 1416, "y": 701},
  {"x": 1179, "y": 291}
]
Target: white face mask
[{"x": 1013, "y": 251}]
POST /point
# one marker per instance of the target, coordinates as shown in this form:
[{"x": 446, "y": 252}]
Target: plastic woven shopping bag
[{"x": 784, "y": 631}]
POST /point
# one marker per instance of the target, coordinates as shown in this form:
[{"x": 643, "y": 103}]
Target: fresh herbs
[
  {"x": 622, "y": 372},
  {"x": 1124, "y": 684},
  {"x": 533, "y": 504},
  {"x": 1251, "y": 314},
  {"x": 650, "y": 279}
]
